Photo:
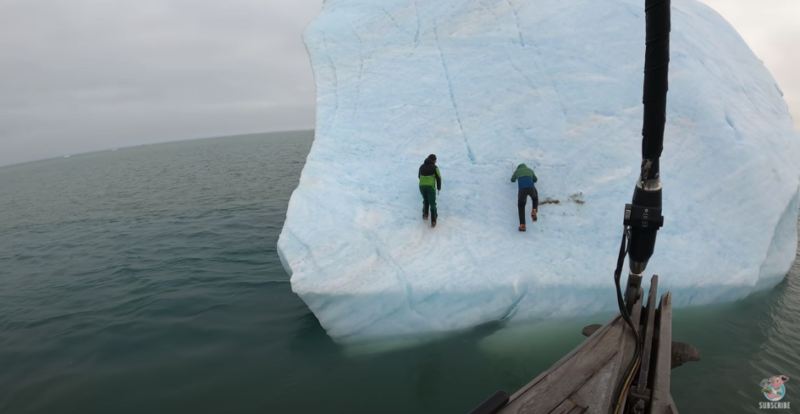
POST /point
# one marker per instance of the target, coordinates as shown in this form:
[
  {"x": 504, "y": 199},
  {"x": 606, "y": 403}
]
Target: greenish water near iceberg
[{"x": 147, "y": 280}]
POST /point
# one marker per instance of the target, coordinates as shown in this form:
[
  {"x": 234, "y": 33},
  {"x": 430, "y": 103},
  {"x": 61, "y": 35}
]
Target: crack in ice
[
  {"x": 516, "y": 23},
  {"x": 470, "y": 154},
  {"x": 416, "y": 34},
  {"x": 335, "y": 81}
]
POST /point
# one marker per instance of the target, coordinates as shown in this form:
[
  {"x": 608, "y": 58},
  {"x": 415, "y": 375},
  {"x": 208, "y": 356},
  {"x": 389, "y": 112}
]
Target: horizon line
[{"x": 178, "y": 140}]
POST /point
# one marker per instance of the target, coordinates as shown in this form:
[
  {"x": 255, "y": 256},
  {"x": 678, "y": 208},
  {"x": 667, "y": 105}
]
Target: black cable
[
  {"x": 623, "y": 310},
  {"x": 639, "y": 236}
]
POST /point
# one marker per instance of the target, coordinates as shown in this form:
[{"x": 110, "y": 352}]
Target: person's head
[
  {"x": 431, "y": 159},
  {"x": 522, "y": 165}
]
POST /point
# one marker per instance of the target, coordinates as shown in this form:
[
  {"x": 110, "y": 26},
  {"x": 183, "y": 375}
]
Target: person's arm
[
  {"x": 419, "y": 172},
  {"x": 514, "y": 176},
  {"x": 438, "y": 180},
  {"x": 534, "y": 176}
]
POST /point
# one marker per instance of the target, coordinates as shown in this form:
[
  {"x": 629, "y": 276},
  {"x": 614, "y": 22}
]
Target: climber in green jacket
[
  {"x": 525, "y": 178},
  {"x": 430, "y": 180}
]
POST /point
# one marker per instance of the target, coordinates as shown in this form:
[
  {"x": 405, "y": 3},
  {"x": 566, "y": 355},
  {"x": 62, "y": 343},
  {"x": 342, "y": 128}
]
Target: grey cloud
[
  {"x": 771, "y": 30},
  {"x": 89, "y": 74},
  {"x": 81, "y": 75}
]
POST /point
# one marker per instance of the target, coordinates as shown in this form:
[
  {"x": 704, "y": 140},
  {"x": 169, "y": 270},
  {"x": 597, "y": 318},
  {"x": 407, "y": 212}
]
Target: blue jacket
[{"x": 524, "y": 176}]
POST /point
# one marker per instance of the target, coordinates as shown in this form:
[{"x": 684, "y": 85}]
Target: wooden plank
[
  {"x": 629, "y": 349},
  {"x": 662, "y": 399},
  {"x": 598, "y": 336},
  {"x": 647, "y": 342},
  {"x": 590, "y": 372},
  {"x": 598, "y": 389},
  {"x": 548, "y": 390},
  {"x": 568, "y": 407}
]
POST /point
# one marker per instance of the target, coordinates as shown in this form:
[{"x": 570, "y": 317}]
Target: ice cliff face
[{"x": 556, "y": 84}]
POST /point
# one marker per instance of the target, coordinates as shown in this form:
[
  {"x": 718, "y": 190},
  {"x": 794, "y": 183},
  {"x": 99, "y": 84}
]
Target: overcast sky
[{"x": 84, "y": 75}]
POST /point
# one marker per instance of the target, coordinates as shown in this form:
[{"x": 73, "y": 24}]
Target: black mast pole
[{"x": 643, "y": 215}]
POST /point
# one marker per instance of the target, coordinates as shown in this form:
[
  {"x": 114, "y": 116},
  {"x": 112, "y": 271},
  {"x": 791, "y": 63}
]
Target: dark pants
[
  {"x": 428, "y": 200},
  {"x": 522, "y": 198}
]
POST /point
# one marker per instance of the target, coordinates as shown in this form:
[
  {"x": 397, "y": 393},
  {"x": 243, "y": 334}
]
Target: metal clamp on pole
[
  {"x": 643, "y": 217},
  {"x": 642, "y": 220}
]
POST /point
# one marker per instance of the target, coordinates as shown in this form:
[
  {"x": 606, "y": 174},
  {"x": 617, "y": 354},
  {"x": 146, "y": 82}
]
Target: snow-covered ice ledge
[{"x": 488, "y": 84}]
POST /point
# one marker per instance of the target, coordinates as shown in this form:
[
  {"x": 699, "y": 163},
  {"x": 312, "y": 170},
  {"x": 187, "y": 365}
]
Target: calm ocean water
[{"x": 146, "y": 280}]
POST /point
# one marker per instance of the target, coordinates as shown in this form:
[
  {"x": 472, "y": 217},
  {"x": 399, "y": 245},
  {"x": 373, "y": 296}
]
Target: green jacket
[
  {"x": 429, "y": 176},
  {"x": 525, "y": 175}
]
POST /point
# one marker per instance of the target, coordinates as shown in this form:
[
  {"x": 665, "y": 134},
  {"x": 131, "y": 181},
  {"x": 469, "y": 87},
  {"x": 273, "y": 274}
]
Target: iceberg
[{"x": 486, "y": 85}]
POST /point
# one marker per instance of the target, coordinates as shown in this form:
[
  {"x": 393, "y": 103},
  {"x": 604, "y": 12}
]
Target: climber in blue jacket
[{"x": 525, "y": 178}]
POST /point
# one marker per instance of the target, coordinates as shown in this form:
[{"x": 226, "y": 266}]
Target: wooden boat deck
[{"x": 586, "y": 379}]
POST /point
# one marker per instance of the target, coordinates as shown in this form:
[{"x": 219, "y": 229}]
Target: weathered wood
[
  {"x": 568, "y": 407},
  {"x": 585, "y": 380},
  {"x": 588, "y": 330},
  {"x": 597, "y": 389},
  {"x": 586, "y": 377},
  {"x": 683, "y": 353},
  {"x": 647, "y": 337},
  {"x": 662, "y": 399},
  {"x": 551, "y": 388},
  {"x": 492, "y": 404},
  {"x": 630, "y": 347}
]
